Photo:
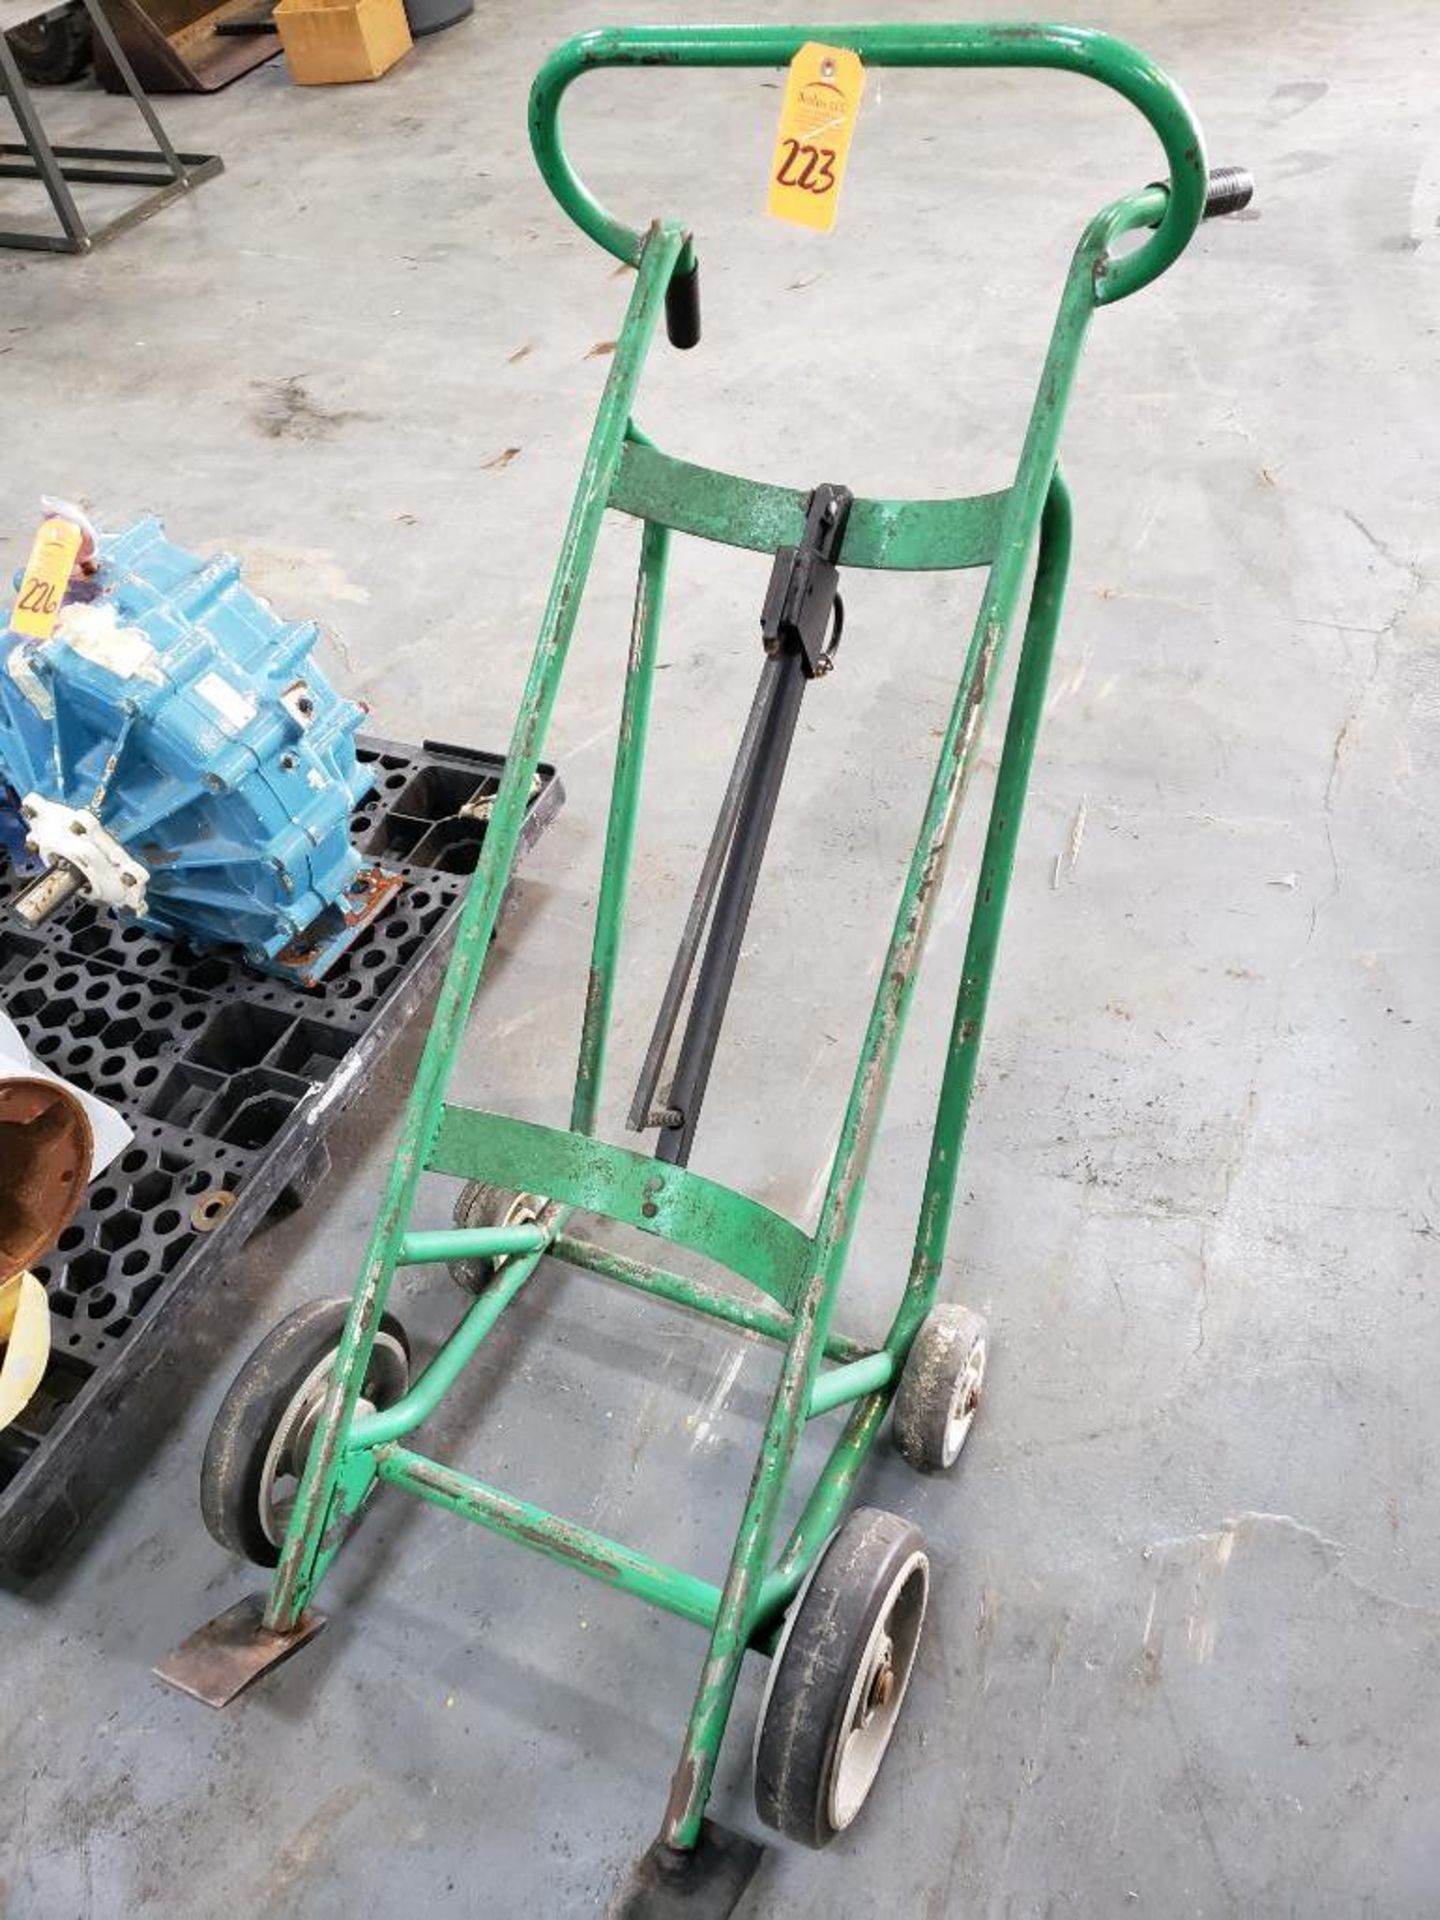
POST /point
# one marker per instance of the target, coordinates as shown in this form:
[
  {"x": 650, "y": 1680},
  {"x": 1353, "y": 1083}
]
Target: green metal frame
[{"x": 797, "y": 1273}]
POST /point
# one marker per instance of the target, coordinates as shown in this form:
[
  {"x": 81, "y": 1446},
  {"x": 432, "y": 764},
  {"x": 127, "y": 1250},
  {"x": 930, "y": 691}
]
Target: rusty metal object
[
  {"x": 184, "y": 46},
  {"x": 211, "y": 1208},
  {"x": 47, "y": 894},
  {"x": 45, "y": 1146},
  {"x": 232, "y": 1651},
  {"x": 704, "y": 1882},
  {"x": 371, "y": 893}
]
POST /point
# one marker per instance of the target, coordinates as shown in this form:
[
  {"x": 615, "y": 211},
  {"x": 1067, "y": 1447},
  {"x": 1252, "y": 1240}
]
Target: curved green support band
[
  {"x": 912, "y": 535},
  {"x": 1096, "y": 56},
  {"x": 683, "y": 1207}
]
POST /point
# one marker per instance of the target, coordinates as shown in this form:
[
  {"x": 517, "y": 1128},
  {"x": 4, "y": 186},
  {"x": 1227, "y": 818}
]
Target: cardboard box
[{"x": 332, "y": 40}]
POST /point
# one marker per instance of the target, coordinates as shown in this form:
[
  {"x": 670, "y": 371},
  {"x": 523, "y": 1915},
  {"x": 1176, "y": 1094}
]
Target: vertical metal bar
[
  {"x": 694, "y": 930},
  {"x": 620, "y": 830},
  {"x": 296, "y": 1575},
  {"x": 753, "y": 820},
  {"x": 832, "y": 1489},
  {"x": 38, "y": 142},
  {"x": 988, "y": 913},
  {"x": 956, "y": 762},
  {"x": 820, "y": 1515},
  {"x": 690, "y": 1787},
  {"x": 100, "y": 21}
]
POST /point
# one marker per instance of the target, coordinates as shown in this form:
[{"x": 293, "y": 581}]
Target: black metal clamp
[
  {"x": 800, "y": 626},
  {"x": 803, "y": 610}
]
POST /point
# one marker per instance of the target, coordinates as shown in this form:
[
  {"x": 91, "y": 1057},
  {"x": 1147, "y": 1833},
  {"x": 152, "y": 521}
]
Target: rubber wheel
[
  {"x": 53, "y": 50},
  {"x": 480, "y": 1205},
  {"x": 261, "y": 1437},
  {"x": 940, "y": 1388},
  {"x": 839, "y": 1676}
]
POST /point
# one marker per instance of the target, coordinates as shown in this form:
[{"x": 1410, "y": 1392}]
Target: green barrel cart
[{"x": 328, "y": 1401}]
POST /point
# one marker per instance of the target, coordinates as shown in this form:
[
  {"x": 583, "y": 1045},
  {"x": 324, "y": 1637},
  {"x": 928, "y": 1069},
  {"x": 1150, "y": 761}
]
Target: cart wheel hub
[
  {"x": 882, "y": 1688},
  {"x": 966, "y": 1402}
]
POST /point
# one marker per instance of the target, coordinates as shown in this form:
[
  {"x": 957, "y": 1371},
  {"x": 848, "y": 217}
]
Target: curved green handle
[{"x": 1074, "y": 49}]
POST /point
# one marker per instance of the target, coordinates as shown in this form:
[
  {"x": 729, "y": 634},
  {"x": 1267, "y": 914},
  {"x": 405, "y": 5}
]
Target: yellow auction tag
[
  {"x": 817, "y": 119},
  {"x": 47, "y": 575}
]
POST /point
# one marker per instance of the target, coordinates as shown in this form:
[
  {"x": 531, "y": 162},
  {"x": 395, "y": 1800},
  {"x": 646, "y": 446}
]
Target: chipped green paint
[
  {"x": 298, "y": 1571},
  {"x": 1096, "y": 56},
  {"x": 670, "y": 1202},
  {"x": 924, "y": 536},
  {"x": 532, "y": 1526},
  {"x": 799, "y": 1271},
  {"x": 997, "y": 864},
  {"x": 692, "y": 1294},
  {"x": 620, "y": 833},
  {"x": 426, "y": 1393}
]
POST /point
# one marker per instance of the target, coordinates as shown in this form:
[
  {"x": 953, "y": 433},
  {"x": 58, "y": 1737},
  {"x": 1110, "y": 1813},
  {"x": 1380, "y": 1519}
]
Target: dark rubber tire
[
  {"x": 233, "y": 1471},
  {"x": 875, "y": 1564},
  {"x": 53, "y": 50},
  {"x": 481, "y": 1205},
  {"x": 940, "y": 1388}
]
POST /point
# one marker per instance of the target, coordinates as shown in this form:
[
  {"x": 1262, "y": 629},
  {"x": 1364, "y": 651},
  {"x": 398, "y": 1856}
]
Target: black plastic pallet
[{"x": 231, "y": 1080}]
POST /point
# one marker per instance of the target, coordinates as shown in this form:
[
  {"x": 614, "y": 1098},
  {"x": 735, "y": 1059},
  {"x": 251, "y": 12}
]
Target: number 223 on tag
[{"x": 817, "y": 120}]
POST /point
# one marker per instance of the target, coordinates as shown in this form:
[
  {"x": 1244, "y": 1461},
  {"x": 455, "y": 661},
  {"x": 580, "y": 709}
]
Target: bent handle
[{"x": 1098, "y": 56}]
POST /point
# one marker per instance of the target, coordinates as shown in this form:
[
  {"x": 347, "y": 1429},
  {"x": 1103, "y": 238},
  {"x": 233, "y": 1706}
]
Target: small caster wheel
[
  {"x": 480, "y": 1205},
  {"x": 940, "y": 1387},
  {"x": 839, "y": 1677},
  {"x": 261, "y": 1437}
]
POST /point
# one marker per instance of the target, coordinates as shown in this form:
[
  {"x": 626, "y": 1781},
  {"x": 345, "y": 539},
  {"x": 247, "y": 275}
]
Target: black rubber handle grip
[
  {"x": 682, "y": 308},
  {"x": 1229, "y": 189}
]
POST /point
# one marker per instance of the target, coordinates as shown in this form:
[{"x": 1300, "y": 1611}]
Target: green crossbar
[
  {"x": 671, "y": 1202},
  {"x": 565, "y": 1540},
  {"x": 930, "y": 536}
]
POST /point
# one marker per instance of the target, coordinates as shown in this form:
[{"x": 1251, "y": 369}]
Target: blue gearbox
[{"x": 174, "y": 753}]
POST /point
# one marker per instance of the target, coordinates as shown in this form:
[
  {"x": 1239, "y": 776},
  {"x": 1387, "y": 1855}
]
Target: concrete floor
[{"x": 1183, "y": 1656}]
